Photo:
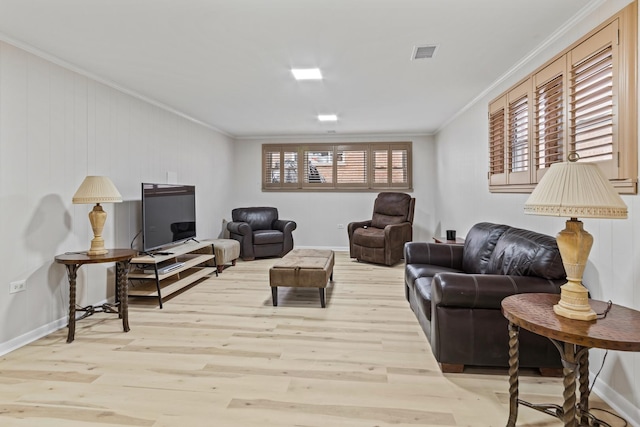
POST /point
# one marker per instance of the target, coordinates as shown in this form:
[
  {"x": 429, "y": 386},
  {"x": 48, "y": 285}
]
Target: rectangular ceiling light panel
[
  {"x": 327, "y": 117},
  {"x": 306, "y": 73}
]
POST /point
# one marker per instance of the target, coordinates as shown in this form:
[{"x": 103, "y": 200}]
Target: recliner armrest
[
  {"x": 353, "y": 226},
  {"x": 439, "y": 254},
  {"x": 485, "y": 290}
]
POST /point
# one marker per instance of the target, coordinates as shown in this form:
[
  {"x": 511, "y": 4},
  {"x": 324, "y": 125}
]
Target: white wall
[
  {"x": 318, "y": 214},
  {"x": 613, "y": 273},
  {"x": 56, "y": 127}
]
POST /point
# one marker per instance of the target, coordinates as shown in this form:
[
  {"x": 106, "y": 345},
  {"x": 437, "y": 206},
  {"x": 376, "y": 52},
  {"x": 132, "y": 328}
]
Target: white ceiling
[{"x": 226, "y": 62}]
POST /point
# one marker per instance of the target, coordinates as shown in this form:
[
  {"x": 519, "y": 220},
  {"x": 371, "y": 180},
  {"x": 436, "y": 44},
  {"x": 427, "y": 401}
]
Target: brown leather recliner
[
  {"x": 260, "y": 233},
  {"x": 381, "y": 239},
  {"x": 455, "y": 292}
]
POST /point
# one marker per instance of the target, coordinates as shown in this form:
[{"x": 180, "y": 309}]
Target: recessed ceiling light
[
  {"x": 306, "y": 73},
  {"x": 327, "y": 117}
]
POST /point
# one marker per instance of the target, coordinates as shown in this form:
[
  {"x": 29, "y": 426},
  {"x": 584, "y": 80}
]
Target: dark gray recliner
[{"x": 260, "y": 233}]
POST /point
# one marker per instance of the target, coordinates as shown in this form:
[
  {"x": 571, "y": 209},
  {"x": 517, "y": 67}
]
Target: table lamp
[
  {"x": 575, "y": 189},
  {"x": 97, "y": 189}
]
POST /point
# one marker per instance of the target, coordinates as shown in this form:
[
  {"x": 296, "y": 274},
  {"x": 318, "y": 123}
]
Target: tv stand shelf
[{"x": 197, "y": 261}]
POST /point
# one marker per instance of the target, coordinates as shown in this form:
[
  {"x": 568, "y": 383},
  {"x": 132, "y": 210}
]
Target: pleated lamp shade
[
  {"x": 97, "y": 189},
  {"x": 575, "y": 189}
]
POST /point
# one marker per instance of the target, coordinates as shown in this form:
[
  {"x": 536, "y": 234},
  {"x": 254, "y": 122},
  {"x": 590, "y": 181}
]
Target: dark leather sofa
[
  {"x": 455, "y": 292},
  {"x": 260, "y": 233}
]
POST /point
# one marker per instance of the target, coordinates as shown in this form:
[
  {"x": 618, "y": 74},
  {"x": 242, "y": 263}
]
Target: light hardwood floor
[{"x": 219, "y": 354}]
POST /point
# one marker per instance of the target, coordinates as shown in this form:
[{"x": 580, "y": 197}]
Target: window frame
[
  {"x": 619, "y": 33},
  {"x": 337, "y": 151}
]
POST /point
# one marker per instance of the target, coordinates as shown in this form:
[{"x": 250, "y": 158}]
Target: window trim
[{"x": 335, "y": 148}]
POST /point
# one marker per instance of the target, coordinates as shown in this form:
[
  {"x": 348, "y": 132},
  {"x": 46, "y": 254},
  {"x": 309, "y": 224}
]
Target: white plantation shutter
[
  {"x": 591, "y": 105},
  {"x": 549, "y": 119},
  {"x": 518, "y": 137},
  {"x": 497, "y": 132},
  {"x": 351, "y": 166}
]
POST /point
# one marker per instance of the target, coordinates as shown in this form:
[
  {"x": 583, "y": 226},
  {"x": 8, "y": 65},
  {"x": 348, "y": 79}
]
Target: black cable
[
  {"x": 134, "y": 239},
  {"x": 596, "y": 377},
  {"x": 606, "y": 311}
]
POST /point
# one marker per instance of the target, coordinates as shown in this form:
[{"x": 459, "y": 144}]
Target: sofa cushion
[
  {"x": 521, "y": 252},
  {"x": 267, "y": 237},
  {"x": 414, "y": 271},
  {"x": 368, "y": 237},
  {"x": 478, "y": 246}
]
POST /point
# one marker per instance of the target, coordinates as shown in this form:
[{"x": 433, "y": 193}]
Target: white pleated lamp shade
[
  {"x": 575, "y": 190},
  {"x": 97, "y": 189}
]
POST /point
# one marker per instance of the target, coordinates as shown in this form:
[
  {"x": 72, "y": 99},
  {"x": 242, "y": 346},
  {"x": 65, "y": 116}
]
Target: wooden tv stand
[{"x": 147, "y": 278}]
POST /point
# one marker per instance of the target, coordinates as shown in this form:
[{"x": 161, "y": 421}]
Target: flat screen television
[{"x": 168, "y": 214}]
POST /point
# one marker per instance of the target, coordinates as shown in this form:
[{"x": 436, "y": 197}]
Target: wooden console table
[
  {"x": 73, "y": 261},
  {"x": 618, "y": 330}
]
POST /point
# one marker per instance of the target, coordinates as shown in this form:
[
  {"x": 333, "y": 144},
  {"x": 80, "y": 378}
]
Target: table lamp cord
[{"x": 596, "y": 377}]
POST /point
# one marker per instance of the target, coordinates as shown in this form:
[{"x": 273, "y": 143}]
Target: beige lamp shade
[
  {"x": 575, "y": 189},
  {"x": 97, "y": 189}
]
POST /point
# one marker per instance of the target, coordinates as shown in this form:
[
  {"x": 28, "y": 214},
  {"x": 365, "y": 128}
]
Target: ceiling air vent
[{"x": 424, "y": 52}]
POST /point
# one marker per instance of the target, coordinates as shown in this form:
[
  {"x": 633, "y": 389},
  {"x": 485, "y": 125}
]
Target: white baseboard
[
  {"x": 622, "y": 406},
  {"x": 31, "y": 336}
]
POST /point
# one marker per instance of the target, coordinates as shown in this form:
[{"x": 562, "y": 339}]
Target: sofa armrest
[
  {"x": 485, "y": 290},
  {"x": 241, "y": 228},
  {"x": 284, "y": 225},
  {"x": 440, "y": 254}
]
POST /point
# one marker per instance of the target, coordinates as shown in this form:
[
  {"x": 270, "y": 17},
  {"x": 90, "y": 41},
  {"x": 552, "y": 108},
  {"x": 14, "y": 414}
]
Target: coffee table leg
[
  {"x": 514, "y": 331},
  {"x": 322, "y": 302},
  {"x": 274, "y": 295}
]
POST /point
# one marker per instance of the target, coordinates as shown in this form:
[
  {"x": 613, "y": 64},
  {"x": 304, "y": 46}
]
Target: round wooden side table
[{"x": 74, "y": 260}]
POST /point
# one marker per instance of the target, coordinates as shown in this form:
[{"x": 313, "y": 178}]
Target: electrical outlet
[
  {"x": 17, "y": 286},
  {"x": 340, "y": 226}
]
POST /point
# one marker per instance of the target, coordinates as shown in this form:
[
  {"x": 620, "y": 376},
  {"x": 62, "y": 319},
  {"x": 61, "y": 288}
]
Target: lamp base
[
  {"x": 574, "y": 302},
  {"x": 574, "y": 244},
  {"x": 97, "y": 217}
]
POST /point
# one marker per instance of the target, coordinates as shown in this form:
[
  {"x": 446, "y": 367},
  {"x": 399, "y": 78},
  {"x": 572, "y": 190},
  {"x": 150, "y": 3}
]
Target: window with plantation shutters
[
  {"x": 584, "y": 101},
  {"x": 280, "y": 167},
  {"x": 326, "y": 167}
]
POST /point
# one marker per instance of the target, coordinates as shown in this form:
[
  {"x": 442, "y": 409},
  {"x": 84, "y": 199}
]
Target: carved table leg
[
  {"x": 122, "y": 281},
  {"x": 72, "y": 270},
  {"x": 514, "y": 331},
  {"x": 583, "y": 378},
  {"x": 568, "y": 354}
]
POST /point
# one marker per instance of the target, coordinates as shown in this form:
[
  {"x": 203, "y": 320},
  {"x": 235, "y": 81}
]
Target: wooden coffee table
[{"x": 618, "y": 330}]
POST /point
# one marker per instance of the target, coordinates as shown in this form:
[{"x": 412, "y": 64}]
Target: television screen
[{"x": 168, "y": 214}]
